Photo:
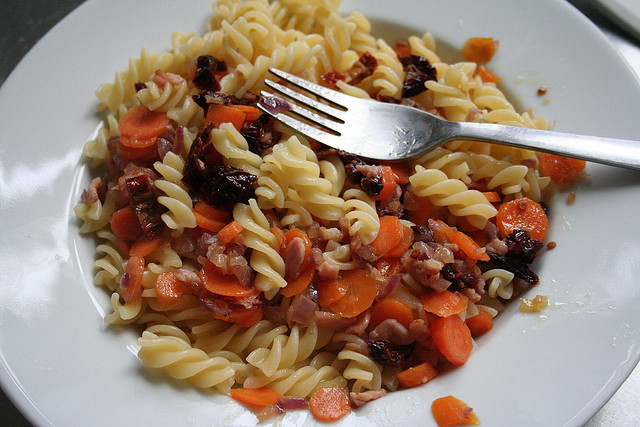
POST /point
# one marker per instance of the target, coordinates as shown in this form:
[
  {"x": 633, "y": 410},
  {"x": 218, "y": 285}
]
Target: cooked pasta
[{"x": 253, "y": 257}]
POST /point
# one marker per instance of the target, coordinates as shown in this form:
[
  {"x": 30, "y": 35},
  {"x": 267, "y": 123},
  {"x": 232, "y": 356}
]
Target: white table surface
[{"x": 33, "y": 18}]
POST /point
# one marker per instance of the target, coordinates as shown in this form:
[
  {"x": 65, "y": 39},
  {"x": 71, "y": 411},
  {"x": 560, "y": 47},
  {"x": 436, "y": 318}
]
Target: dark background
[{"x": 24, "y": 22}]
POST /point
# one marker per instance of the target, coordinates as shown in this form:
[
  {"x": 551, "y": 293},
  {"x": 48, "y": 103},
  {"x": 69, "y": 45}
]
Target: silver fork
[{"x": 384, "y": 131}]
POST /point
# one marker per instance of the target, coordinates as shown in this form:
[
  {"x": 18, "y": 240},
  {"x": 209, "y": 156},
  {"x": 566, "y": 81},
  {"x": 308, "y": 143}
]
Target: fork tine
[
  {"x": 334, "y": 113},
  {"x": 305, "y": 129},
  {"x": 309, "y": 115},
  {"x": 339, "y": 99}
]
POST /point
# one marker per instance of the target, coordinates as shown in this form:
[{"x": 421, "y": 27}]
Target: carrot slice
[
  {"x": 445, "y": 303},
  {"x": 140, "y": 124},
  {"x": 390, "y": 235},
  {"x": 421, "y": 210},
  {"x": 404, "y": 245},
  {"x": 391, "y": 308},
  {"x": 223, "y": 284},
  {"x": 452, "y": 338},
  {"x": 332, "y": 290},
  {"x": 388, "y": 183},
  {"x": 208, "y": 223},
  {"x": 300, "y": 283},
  {"x": 479, "y": 49},
  {"x": 145, "y": 246},
  {"x": 211, "y": 212},
  {"x": 522, "y": 214},
  {"x": 125, "y": 225},
  {"x": 262, "y": 396},
  {"x": 561, "y": 169},
  {"x": 137, "y": 153},
  {"x": 218, "y": 114},
  {"x": 417, "y": 375},
  {"x": 169, "y": 288},
  {"x": 251, "y": 113},
  {"x": 388, "y": 266},
  {"x": 481, "y": 323},
  {"x": 487, "y": 76},
  {"x": 246, "y": 317},
  {"x": 464, "y": 242},
  {"x": 361, "y": 292},
  {"x": 229, "y": 232},
  {"x": 131, "y": 282},
  {"x": 400, "y": 172},
  {"x": 402, "y": 48},
  {"x": 492, "y": 196},
  {"x": 450, "y": 411},
  {"x": 329, "y": 404}
]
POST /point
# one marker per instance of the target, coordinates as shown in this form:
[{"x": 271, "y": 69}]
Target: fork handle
[{"x": 608, "y": 151}]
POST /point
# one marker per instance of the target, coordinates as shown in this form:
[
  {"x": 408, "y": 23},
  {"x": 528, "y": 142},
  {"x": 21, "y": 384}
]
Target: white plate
[{"x": 63, "y": 366}]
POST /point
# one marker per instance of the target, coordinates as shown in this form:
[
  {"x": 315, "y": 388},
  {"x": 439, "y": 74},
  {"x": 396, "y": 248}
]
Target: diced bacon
[
  {"x": 92, "y": 193},
  {"x": 326, "y": 319},
  {"x": 363, "y": 397}
]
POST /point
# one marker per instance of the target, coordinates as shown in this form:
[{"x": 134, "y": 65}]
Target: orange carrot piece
[
  {"x": 362, "y": 290},
  {"x": 218, "y": 114},
  {"x": 391, "y": 308},
  {"x": 402, "y": 48},
  {"x": 229, "y": 232},
  {"x": 388, "y": 183},
  {"x": 492, "y": 196},
  {"x": 405, "y": 243},
  {"x": 487, "y": 76},
  {"x": 247, "y": 317},
  {"x": 449, "y": 411},
  {"x": 421, "y": 211},
  {"x": 139, "y": 125},
  {"x": 390, "y": 235},
  {"x": 464, "y": 242},
  {"x": 479, "y": 236},
  {"x": 223, "y": 284},
  {"x": 329, "y": 404},
  {"x": 417, "y": 375},
  {"x": 481, "y": 323},
  {"x": 168, "y": 288},
  {"x": 331, "y": 291},
  {"x": 400, "y": 172},
  {"x": 452, "y": 338},
  {"x": 278, "y": 233},
  {"x": 145, "y": 245},
  {"x": 300, "y": 283},
  {"x": 561, "y": 169},
  {"x": 125, "y": 225},
  {"x": 131, "y": 283},
  {"x": 522, "y": 214},
  {"x": 262, "y": 396},
  {"x": 388, "y": 266},
  {"x": 208, "y": 223},
  {"x": 479, "y": 49},
  {"x": 211, "y": 212},
  {"x": 445, "y": 303},
  {"x": 251, "y": 113}
]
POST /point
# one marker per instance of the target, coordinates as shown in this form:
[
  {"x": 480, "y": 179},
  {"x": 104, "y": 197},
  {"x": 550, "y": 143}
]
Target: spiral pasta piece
[
  {"x": 500, "y": 283},
  {"x": 265, "y": 259},
  {"x": 122, "y": 90},
  {"x": 361, "y": 214},
  {"x": 288, "y": 349},
  {"x": 180, "y": 360},
  {"x": 234, "y": 147},
  {"x": 176, "y": 199},
  {"x": 452, "y": 193}
]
